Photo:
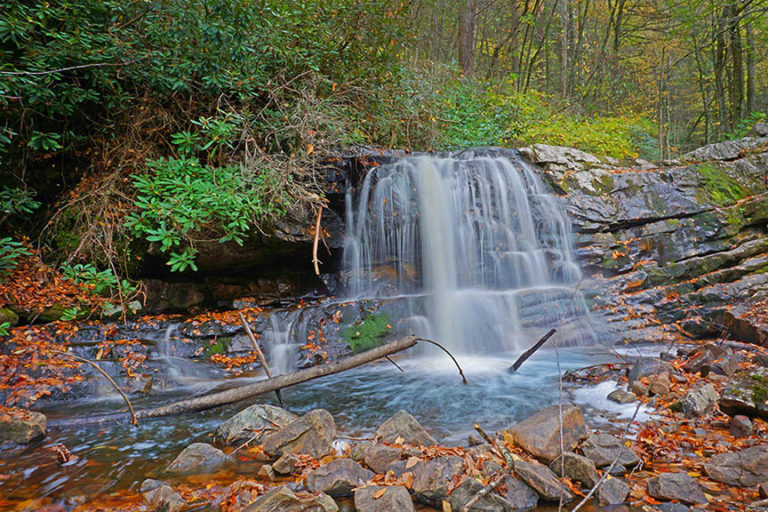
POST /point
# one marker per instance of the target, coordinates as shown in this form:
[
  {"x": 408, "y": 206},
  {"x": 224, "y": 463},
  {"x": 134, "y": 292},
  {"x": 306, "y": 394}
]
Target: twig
[
  {"x": 134, "y": 421},
  {"x": 528, "y": 353},
  {"x": 485, "y": 491},
  {"x": 508, "y": 458},
  {"x": 607, "y": 471},
  {"x": 463, "y": 378},
  {"x": 260, "y": 353},
  {"x": 315, "y": 261},
  {"x": 560, "y": 419},
  {"x": 394, "y": 363},
  {"x": 60, "y": 70}
]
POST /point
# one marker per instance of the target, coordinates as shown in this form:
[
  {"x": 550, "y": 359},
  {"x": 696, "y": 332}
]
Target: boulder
[
  {"x": 560, "y": 157},
  {"x": 759, "y": 130},
  {"x": 199, "y": 458},
  {"x": 338, "y": 478},
  {"x": 523, "y": 497},
  {"x": 621, "y": 397},
  {"x": 612, "y": 491},
  {"x": 577, "y": 467},
  {"x": 402, "y": 426},
  {"x": 746, "y": 393},
  {"x": 312, "y": 434},
  {"x": 163, "y": 497},
  {"x": 647, "y": 367},
  {"x": 542, "y": 480},
  {"x": 539, "y": 434},
  {"x": 676, "y": 486},
  {"x": 603, "y": 449},
  {"x": 22, "y": 426},
  {"x": 379, "y": 456},
  {"x": 699, "y": 401},
  {"x": 283, "y": 499},
  {"x": 253, "y": 422},
  {"x": 659, "y": 384},
  {"x": 394, "y": 499},
  {"x": 432, "y": 478},
  {"x": 745, "y": 468},
  {"x": 727, "y": 150},
  {"x": 741, "y": 426},
  {"x": 286, "y": 464}
]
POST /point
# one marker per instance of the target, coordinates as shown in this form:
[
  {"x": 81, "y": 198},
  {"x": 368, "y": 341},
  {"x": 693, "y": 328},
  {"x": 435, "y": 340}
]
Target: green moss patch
[
  {"x": 368, "y": 333},
  {"x": 722, "y": 189}
]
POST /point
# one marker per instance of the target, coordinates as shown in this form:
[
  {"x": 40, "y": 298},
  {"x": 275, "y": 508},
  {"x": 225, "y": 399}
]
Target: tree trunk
[
  {"x": 467, "y": 35},
  {"x": 751, "y": 105}
]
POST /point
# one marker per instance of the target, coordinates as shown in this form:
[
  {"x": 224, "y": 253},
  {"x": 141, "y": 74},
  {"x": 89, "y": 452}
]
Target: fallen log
[{"x": 281, "y": 381}]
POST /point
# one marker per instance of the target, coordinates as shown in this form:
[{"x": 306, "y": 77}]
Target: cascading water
[{"x": 477, "y": 249}]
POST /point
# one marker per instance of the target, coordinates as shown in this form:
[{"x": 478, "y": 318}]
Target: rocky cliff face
[{"x": 671, "y": 251}]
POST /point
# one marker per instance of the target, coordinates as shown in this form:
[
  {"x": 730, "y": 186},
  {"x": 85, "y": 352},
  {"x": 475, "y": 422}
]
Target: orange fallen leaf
[{"x": 378, "y": 494}]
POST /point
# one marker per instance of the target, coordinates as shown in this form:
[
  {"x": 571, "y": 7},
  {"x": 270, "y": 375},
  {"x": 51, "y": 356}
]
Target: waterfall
[{"x": 476, "y": 247}]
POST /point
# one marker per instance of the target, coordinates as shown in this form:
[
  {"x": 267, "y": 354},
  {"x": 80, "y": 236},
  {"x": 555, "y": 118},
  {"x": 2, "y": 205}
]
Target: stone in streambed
[
  {"x": 22, "y": 426},
  {"x": 518, "y": 497},
  {"x": 432, "y": 478},
  {"x": 746, "y": 393},
  {"x": 603, "y": 449},
  {"x": 163, "y": 497},
  {"x": 253, "y": 423},
  {"x": 312, "y": 434},
  {"x": 542, "y": 480},
  {"x": 744, "y": 468},
  {"x": 283, "y": 499},
  {"x": 199, "y": 458},
  {"x": 394, "y": 499},
  {"x": 403, "y": 427},
  {"x": 539, "y": 434},
  {"x": 577, "y": 467},
  {"x": 676, "y": 486},
  {"x": 338, "y": 477},
  {"x": 379, "y": 456},
  {"x": 621, "y": 397},
  {"x": 647, "y": 368},
  {"x": 699, "y": 401},
  {"x": 286, "y": 464},
  {"x": 612, "y": 492},
  {"x": 741, "y": 426}
]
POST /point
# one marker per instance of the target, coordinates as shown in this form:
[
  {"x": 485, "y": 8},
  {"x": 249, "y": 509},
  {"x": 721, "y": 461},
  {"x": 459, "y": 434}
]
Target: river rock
[
  {"x": 164, "y": 498},
  {"x": 22, "y": 426},
  {"x": 699, "y": 401},
  {"x": 758, "y": 505},
  {"x": 741, "y": 426},
  {"x": 603, "y": 449},
  {"x": 431, "y": 478},
  {"x": 621, "y": 397},
  {"x": 762, "y": 490},
  {"x": 746, "y": 393},
  {"x": 647, "y": 367},
  {"x": 251, "y": 423},
  {"x": 744, "y": 468},
  {"x": 577, "y": 467},
  {"x": 394, "y": 499},
  {"x": 676, "y": 486},
  {"x": 283, "y": 499},
  {"x": 612, "y": 491},
  {"x": 542, "y": 480},
  {"x": 338, "y": 477},
  {"x": 286, "y": 464},
  {"x": 539, "y": 434},
  {"x": 199, "y": 458},
  {"x": 659, "y": 384},
  {"x": 379, "y": 456},
  {"x": 312, "y": 434},
  {"x": 402, "y": 426},
  {"x": 518, "y": 497},
  {"x": 672, "y": 507}
]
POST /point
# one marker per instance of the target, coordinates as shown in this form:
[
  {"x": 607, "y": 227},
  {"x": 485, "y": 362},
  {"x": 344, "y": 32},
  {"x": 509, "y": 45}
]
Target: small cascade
[
  {"x": 477, "y": 248},
  {"x": 177, "y": 371}
]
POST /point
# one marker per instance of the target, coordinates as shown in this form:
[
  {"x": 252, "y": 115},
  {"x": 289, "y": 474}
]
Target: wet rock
[
  {"x": 266, "y": 472},
  {"x": 741, "y": 426},
  {"x": 473, "y": 440},
  {"x": 699, "y": 401},
  {"x": 672, "y": 507},
  {"x": 286, "y": 464},
  {"x": 283, "y": 499},
  {"x": 621, "y": 397},
  {"x": 164, "y": 498},
  {"x": 199, "y": 458},
  {"x": 744, "y": 468},
  {"x": 746, "y": 393},
  {"x": 150, "y": 485},
  {"x": 638, "y": 388},
  {"x": 379, "y": 456},
  {"x": 577, "y": 467},
  {"x": 648, "y": 367},
  {"x": 523, "y": 497},
  {"x": 338, "y": 477},
  {"x": 539, "y": 434},
  {"x": 431, "y": 478},
  {"x": 542, "y": 480},
  {"x": 758, "y": 505},
  {"x": 676, "y": 486},
  {"x": 22, "y": 426},
  {"x": 659, "y": 384},
  {"x": 603, "y": 449},
  {"x": 312, "y": 434},
  {"x": 403, "y": 427},
  {"x": 762, "y": 490},
  {"x": 612, "y": 491},
  {"x": 394, "y": 499},
  {"x": 252, "y": 423}
]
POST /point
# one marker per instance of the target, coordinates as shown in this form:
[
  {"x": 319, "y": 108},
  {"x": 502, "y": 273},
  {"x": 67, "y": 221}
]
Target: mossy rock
[
  {"x": 747, "y": 393},
  {"x": 221, "y": 346},
  {"x": 6, "y": 315},
  {"x": 368, "y": 333},
  {"x": 721, "y": 188}
]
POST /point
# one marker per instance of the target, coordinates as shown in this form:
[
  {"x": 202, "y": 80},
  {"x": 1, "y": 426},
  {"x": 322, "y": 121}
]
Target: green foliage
[
  {"x": 368, "y": 333},
  {"x": 746, "y": 124},
  {"x": 722, "y": 189},
  {"x": 10, "y": 251},
  {"x": 100, "y": 282},
  {"x": 17, "y": 201},
  {"x": 5, "y": 328}
]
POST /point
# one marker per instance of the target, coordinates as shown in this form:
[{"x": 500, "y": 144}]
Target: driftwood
[
  {"x": 281, "y": 381},
  {"x": 528, "y": 353},
  {"x": 260, "y": 354},
  {"x": 315, "y": 261}
]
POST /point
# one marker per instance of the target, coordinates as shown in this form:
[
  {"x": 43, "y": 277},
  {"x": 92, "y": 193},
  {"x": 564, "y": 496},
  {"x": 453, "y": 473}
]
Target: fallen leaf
[{"x": 378, "y": 494}]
